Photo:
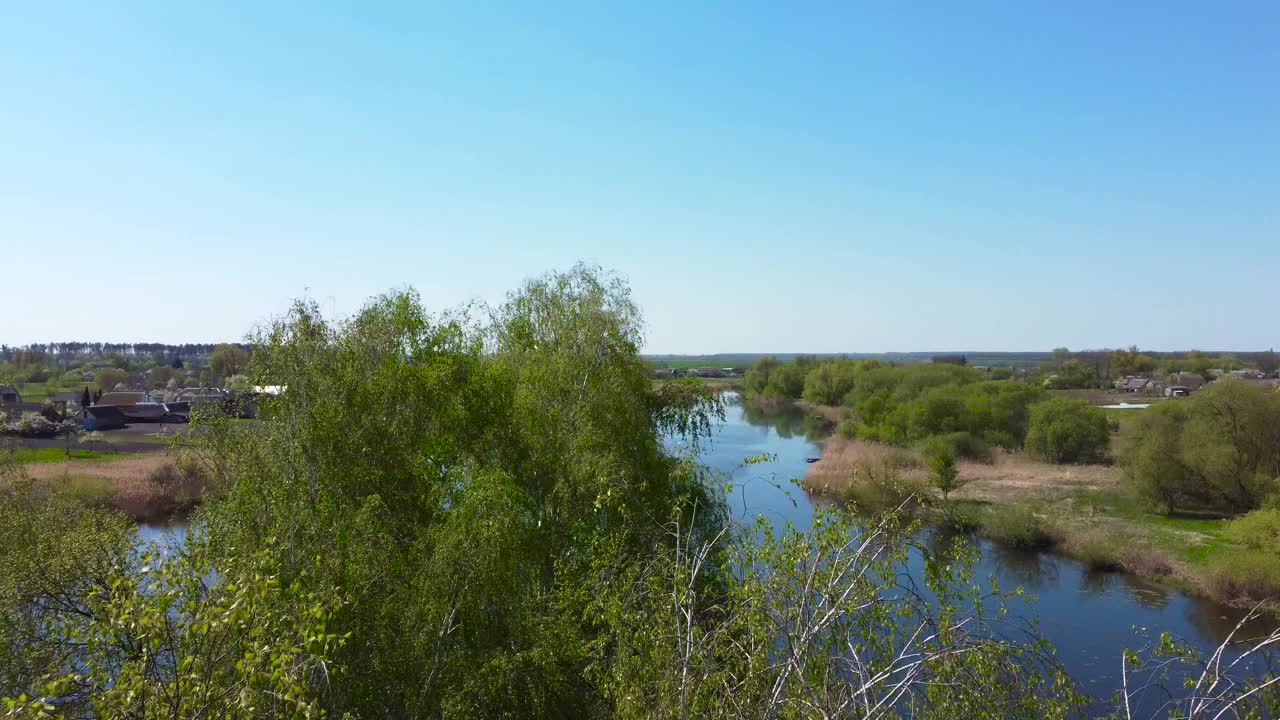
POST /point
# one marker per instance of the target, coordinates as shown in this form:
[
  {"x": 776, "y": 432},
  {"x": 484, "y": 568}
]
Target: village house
[
  {"x": 101, "y": 417},
  {"x": 1191, "y": 381},
  {"x": 1135, "y": 384}
]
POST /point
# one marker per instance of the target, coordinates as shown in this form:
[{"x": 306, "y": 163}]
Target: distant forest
[
  {"x": 979, "y": 358},
  {"x": 75, "y": 349}
]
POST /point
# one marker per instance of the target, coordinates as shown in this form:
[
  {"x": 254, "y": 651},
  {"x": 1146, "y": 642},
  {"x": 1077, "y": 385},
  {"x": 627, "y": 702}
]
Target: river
[{"x": 1090, "y": 617}]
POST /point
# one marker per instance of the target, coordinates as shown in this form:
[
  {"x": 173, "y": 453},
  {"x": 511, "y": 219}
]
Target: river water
[{"x": 1090, "y": 617}]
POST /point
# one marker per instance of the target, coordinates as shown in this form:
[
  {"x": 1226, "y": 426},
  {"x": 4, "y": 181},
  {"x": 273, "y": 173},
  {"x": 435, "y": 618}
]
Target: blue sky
[{"x": 769, "y": 177}]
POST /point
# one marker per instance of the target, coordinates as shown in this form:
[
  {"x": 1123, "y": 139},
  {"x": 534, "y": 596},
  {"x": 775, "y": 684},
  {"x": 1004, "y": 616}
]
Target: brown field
[{"x": 1011, "y": 476}]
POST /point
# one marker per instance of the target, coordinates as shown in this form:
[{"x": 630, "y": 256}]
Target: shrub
[
  {"x": 1249, "y": 575},
  {"x": 1016, "y": 526},
  {"x": 1094, "y": 548},
  {"x": 958, "y": 445},
  {"x": 1219, "y": 450},
  {"x": 943, "y": 473},
  {"x": 880, "y": 489},
  {"x": 830, "y": 381},
  {"x": 1062, "y": 430},
  {"x": 1259, "y": 530},
  {"x": 31, "y": 425},
  {"x": 847, "y": 429},
  {"x": 1154, "y": 463}
]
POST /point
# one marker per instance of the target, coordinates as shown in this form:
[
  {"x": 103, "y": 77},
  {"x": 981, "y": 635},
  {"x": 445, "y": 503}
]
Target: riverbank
[
  {"x": 141, "y": 486},
  {"x": 724, "y": 384},
  {"x": 1086, "y": 512}
]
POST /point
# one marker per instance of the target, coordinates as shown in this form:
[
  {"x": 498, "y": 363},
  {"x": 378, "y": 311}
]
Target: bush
[
  {"x": 880, "y": 489},
  {"x": 943, "y": 473},
  {"x": 958, "y": 445},
  {"x": 1259, "y": 530},
  {"x": 1094, "y": 548},
  {"x": 31, "y": 425},
  {"x": 1016, "y": 526},
  {"x": 847, "y": 429},
  {"x": 1249, "y": 575},
  {"x": 1062, "y": 430},
  {"x": 1219, "y": 450}
]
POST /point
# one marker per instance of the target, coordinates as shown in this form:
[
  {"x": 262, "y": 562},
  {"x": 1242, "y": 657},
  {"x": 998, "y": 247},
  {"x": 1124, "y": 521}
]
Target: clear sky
[{"x": 769, "y": 177}]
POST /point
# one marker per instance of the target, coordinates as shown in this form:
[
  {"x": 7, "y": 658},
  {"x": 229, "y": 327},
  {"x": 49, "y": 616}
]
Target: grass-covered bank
[{"x": 1086, "y": 512}]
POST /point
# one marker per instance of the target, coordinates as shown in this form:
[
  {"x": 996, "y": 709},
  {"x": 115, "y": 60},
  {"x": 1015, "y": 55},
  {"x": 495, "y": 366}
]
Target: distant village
[
  {"x": 1184, "y": 383},
  {"x": 52, "y": 390}
]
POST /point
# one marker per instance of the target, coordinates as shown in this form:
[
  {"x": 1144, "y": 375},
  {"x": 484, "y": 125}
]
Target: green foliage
[
  {"x": 943, "y": 473},
  {"x": 1268, "y": 362},
  {"x": 1219, "y": 449},
  {"x": 913, "y": 402},
  {"x": 1062, "y": 430},
  {"x": 1131, "y": 362},
  {"x": 756, "y": 379},
  {"x": 1245, "y": 575},
  {"x": 883, "y": 489},
  {"x": 227, "y": 360},
  {"x": 829, "y": 382},
  {"x": 1258, "y": 530},
  {"x": 865, "y": 643},
  {"x": 467, "y": 483},
  {"x": 1016, "y": 526},
  {"x": 108, "y": 378},
  {"x": 105, "y": 632},
  {"x": 957, "y": 445},
  {"x": 477, "y": 514},
  {"x": 1071, "y": 374}
]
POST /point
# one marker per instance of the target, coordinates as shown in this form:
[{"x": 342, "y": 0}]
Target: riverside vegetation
[
  {"x": 1169, "y": 498},
  {"x": 473, "y": 514}
]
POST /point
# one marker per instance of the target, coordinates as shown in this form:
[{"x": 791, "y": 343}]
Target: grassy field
[
  {"x": 39, "y": 392},
  {"x": 49, "y": 455}
]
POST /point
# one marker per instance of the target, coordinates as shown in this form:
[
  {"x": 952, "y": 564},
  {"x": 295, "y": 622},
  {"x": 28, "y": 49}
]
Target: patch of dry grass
[
  {"x": 1013, "y": 476},
  {"x": 1010, "y": 477},
  {"x": 143, "y": 486},
  {"x": 841, "y": 456},
  {"x": 831, "y": 413}
]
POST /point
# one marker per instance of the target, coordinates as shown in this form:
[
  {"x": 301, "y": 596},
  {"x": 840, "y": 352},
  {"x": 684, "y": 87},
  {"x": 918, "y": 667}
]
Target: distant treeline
[
  {"x": 1099, "y": 361},
  {"x": 947, "y": 408},
  {"x": 71, "y": 349},
  {"x": 1219, "y": 450}
]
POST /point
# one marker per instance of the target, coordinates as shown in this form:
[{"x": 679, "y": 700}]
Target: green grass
[
  {"x": 44, "y": 455},
  {"x": 39, "y": 392},
  {"x": 95, "y": 491},
  {"x": 1114, "y": 530}
]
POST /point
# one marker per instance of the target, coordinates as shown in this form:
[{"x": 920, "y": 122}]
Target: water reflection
[
  {"x": 1031, "y": 570},
  {"x": 788, "y": 422}
]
